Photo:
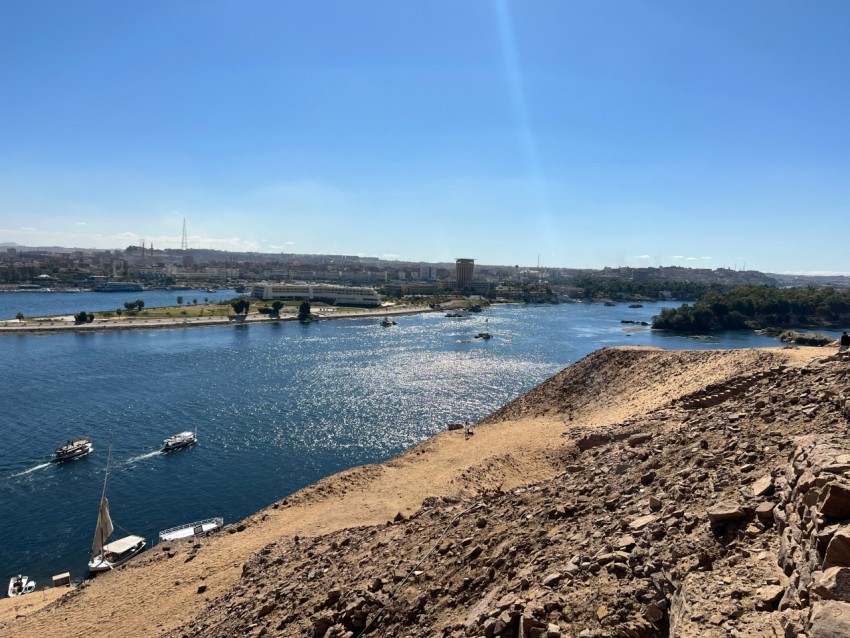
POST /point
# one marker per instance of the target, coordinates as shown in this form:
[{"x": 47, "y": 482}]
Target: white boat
[
  {"x": 189, "y": 530},
  {"x": 73, "y": 450},
  {"x": 106, "y": 556},
  {"x": 183, "y": 439},
  {"x": 20, "y": 585}
]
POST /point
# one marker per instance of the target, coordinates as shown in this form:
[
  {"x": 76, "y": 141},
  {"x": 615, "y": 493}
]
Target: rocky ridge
[{"x": 725, "y": 512}]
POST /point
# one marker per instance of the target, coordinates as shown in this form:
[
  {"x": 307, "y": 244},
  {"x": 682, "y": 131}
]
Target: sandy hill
[{"x": 639, "y": 492}]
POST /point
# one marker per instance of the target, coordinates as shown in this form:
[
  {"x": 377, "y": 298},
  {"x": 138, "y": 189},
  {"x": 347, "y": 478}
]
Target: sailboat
[{"x": 106, "y": 556}]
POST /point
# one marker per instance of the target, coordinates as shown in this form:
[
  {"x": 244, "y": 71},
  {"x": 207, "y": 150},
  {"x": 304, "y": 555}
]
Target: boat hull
[
  {"x": 191, "y": 529},
  {"x": 178, "y": 441},
  {"x": 104, "y": 563},
  {"x": 20, "y": 585},
  {"x": 73, "y": 450}
]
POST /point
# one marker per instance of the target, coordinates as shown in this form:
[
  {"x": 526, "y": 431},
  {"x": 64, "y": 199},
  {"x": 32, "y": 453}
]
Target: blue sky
[{"x": 577, "y": 133}]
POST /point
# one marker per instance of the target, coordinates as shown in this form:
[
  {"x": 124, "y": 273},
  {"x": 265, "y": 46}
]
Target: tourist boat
[
  {"x": 387, "y": 322},
  {"x": 189, "y": 530},
  {"x": 183, "y": 439},
  {"x": 20, "y": 585},
  {"x": 483, "y": 335},
  {"x": 73, "y": 450},
  {"x": 609, "y": 303},
  {"x": 106, "y": 556},
  {"x": 635, "y": 305}
]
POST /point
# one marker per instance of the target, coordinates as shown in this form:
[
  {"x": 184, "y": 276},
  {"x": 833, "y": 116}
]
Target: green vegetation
[
  {"x": 759, "y": 307},
  {"x": 273, "y": 311},
  {"x": 805, "y": 338},
  {"x": 619, "y": 289},
  {"x": 304, "y": 311},
  {"x": 83, "y": 317},
  {"x": 241, "y": 306}
]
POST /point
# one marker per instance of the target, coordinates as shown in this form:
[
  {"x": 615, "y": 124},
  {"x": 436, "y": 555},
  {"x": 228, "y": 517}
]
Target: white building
[{"x": 328, "y": 293}]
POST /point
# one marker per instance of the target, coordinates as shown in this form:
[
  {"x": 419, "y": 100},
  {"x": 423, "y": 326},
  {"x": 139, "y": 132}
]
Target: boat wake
[
  {"x": 142, "y": 457},
  {"x": 41, "y": 466}
]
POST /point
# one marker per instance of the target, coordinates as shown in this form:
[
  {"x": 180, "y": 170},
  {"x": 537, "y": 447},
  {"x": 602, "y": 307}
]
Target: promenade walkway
[{"x": 64, "y": 323}]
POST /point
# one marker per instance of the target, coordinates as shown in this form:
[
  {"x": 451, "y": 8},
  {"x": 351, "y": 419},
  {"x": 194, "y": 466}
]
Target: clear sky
[{"x": 578, "y": 133}]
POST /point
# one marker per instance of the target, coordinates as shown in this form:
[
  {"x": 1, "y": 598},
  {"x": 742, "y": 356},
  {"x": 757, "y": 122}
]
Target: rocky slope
[{"x": 638, "y": 493}]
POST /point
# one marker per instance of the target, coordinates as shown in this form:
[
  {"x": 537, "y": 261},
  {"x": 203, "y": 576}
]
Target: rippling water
[
  {"x": 276, "y": 407},
  {"x": 37, "y": 303}
]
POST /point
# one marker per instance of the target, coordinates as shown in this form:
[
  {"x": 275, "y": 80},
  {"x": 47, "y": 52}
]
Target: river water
[{"x": 276, "y": 406}]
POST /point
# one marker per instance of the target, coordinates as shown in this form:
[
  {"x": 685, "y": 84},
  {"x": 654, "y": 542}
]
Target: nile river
[{"x": 276, "y": 406}]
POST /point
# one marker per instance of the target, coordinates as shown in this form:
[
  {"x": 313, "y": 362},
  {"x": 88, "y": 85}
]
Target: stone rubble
[{"x": 725, "y": 512}]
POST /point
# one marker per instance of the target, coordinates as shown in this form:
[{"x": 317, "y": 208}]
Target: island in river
[{"x": 166, "y": 318}]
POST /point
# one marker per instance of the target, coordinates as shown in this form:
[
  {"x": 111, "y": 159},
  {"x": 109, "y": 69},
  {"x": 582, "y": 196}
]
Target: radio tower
[{"x": 184, "y": 244}]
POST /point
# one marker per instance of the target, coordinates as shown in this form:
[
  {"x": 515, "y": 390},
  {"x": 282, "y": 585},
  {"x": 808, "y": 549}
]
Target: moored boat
[
  {"x": 116, "y": 553},
  {"x": 20, "y": 585},
  {"x": 73, "y": 450},
  {"x": 191, "y": 529},
  {"x": 183, "y": 439},
  {"x": 106, "y": 556}
]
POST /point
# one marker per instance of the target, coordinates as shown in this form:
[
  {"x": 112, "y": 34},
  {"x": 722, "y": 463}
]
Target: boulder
[
  {"x": 725, "y": 511},
  {"x": 829, "y": 619},
  {"x": 832, "y": 584},
  {"x": 838, "y": 550},
  {"x": 642, "y": 521},
  {"x": 835, "y": 500},
  {"x": 763, "y": 486}
]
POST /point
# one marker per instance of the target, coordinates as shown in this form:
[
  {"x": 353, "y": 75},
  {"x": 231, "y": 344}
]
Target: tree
[
  {"x": 304, "y": 311},
  {"x": 276, "y": 306},
  {"x": 180, "y": 301},
  {"x": 83, "y": 317},
  {"x": 140, "y": 303},
  {"x": 19, "y": 316},
  {"x": 240, "y": 306}
]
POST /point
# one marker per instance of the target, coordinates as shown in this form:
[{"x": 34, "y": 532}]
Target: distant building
[
  {"x": 463, "y": 272},
  {"x": 335, "y": 295},
  {"x": 428, "y": 273}
]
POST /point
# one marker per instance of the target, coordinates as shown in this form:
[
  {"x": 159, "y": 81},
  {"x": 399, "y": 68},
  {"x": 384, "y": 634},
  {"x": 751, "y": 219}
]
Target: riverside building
[{"x": 327, "y": 293}]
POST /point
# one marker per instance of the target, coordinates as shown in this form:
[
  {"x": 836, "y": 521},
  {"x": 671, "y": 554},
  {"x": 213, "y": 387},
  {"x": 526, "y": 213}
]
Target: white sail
[{"x": 104, "y": 527}]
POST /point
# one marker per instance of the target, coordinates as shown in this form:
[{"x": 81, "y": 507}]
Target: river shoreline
[{"x": 66, "y": 323}]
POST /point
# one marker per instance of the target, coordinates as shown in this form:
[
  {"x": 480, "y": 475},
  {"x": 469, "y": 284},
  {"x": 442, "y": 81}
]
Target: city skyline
[{"x": 578, "y": 135}]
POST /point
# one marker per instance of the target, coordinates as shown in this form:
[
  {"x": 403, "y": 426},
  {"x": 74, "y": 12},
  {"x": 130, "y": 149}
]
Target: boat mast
[{"x": 104, "y": 521}]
